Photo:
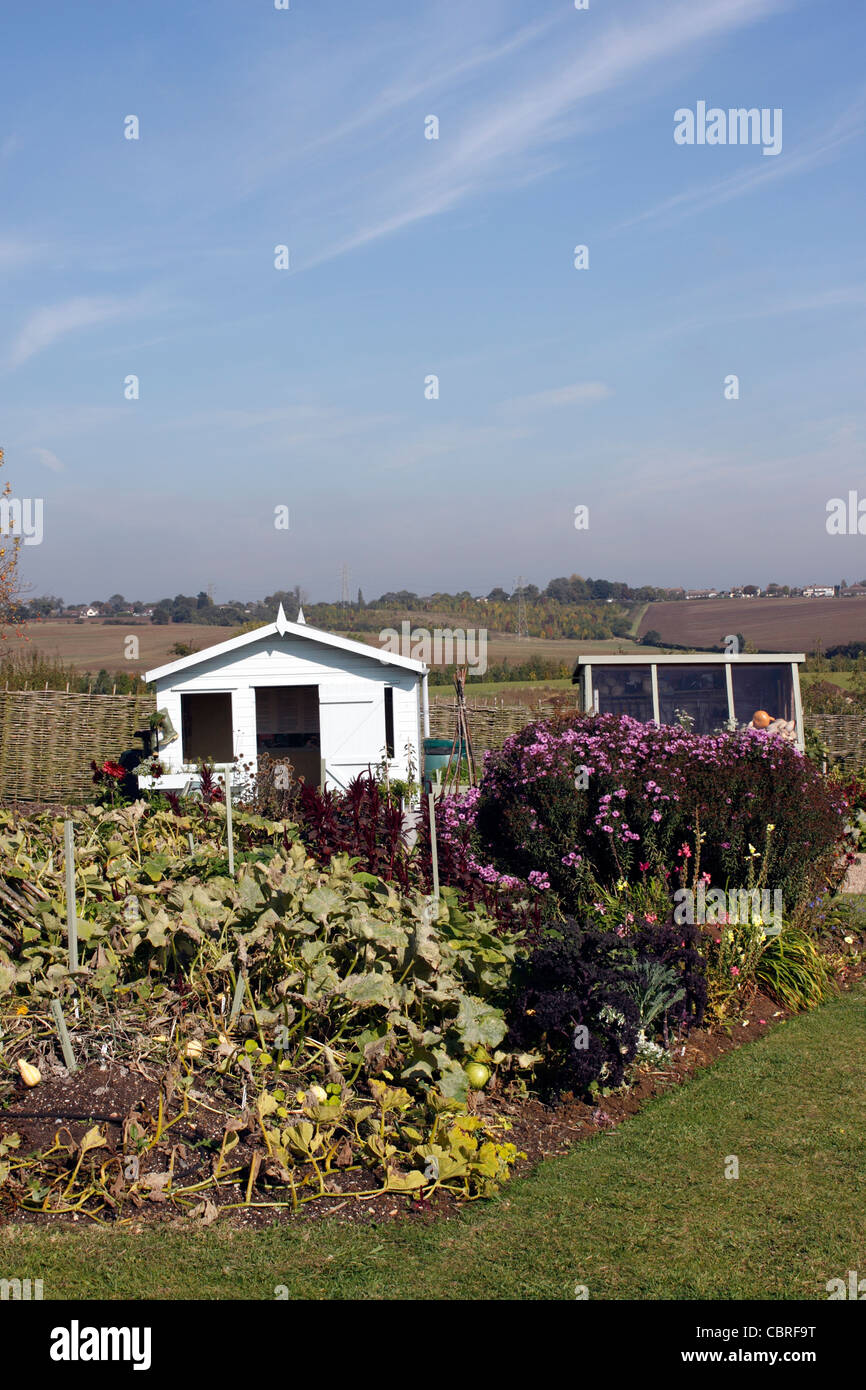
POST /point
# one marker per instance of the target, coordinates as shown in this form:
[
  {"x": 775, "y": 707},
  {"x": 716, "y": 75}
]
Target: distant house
[
  {"x": 331, "y": 707},
  {"x": 854, "y": 591},
  {"x": 819, "y": 591},
  {"x": 91, "y": 612},
  {"x": 702, "y": 593}
]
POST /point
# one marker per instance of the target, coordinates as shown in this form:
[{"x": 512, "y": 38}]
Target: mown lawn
[
  {"x": 845, "y": 679},
  {"x": 642, "y": 1212}
]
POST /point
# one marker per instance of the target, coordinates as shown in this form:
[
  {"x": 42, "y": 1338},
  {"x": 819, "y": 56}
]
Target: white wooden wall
[{"x": 351, "y": 702}]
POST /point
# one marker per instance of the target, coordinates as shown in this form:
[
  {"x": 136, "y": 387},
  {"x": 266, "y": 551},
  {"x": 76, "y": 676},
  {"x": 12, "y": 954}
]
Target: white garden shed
[{"x": 330, "y": 706}]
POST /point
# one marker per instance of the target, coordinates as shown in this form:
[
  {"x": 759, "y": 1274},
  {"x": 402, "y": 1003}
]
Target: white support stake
[
  {"x": 434, "y": 852},
  {"x": 229, "y": 834},
  {"x": 71, "y": 920}
]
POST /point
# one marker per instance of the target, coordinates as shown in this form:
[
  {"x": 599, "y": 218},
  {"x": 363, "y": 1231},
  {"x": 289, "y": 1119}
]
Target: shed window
[
  {"x": 206, "y": 722},
  {"x": 389, "y": 721}
]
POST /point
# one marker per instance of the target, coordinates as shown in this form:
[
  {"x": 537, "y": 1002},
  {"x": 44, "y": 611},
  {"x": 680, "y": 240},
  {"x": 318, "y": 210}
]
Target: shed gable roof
[{"x": 283, "y": 628}]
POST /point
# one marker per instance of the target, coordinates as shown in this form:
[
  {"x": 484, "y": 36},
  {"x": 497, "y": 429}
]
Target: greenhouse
[{"x": 715, "y": 690}]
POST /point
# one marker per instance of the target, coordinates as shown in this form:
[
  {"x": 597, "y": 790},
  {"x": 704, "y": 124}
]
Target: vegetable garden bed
[{"x": 299, "y": 1028}]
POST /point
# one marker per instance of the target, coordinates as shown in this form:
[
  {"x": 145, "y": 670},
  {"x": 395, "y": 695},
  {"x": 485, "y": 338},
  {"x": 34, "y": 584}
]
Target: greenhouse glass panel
[
  {"x": 698, "y": 691},
  {"x": 758, "y": 687},
  {"x": 624, "y": 690}
]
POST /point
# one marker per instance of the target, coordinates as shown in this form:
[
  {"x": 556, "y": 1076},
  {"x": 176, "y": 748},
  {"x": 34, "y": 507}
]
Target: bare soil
[
  {"x": 771, "y": 624},
  {"x": 112, "y": 1095},
  {"x": 93, "y": 646}
]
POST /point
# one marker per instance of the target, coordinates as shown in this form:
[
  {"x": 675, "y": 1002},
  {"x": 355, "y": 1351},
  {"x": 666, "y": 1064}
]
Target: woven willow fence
[
  {"x": 844, "y": 735},
  {"x": 491, "y": 724},
  {"x": 48, "y": 738}
]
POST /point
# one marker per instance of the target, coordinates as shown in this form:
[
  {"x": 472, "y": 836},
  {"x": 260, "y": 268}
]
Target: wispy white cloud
[
  {"x": 821, "y": 301},
  {"x": 580, "y": 393},
  {"x": 811, "y": 155},
  {"x": 46, "y": 326},
  {"x": 18, "y": 251},
  {"x": 507, "y": 141},
  {"x": 47, "y": 458}
]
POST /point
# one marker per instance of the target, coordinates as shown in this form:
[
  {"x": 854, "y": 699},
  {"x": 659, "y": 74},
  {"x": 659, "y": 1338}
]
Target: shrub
[
  {"x": 853, "y": 789},
  {"x": 792, "y": 970},
  {"x": 733, "y": 954},
  {"x": 586, "y": 801},
  {"x": 364, "y": 822},
  {"x": 614, "y": 986}
]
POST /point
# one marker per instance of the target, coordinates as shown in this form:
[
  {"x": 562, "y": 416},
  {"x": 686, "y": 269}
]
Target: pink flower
[
  {"x": 539, "y": 879},
  {"x": 735, "y": 970}
]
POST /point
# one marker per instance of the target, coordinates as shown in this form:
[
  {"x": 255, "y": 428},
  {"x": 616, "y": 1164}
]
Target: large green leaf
[
  {"x": 322, "y": 902},
  {"x": 371, "y": 988},
  {"x": 479, "y": 1023}
]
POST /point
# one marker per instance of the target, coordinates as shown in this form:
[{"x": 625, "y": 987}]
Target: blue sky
[{"x": 262, "y": 387}]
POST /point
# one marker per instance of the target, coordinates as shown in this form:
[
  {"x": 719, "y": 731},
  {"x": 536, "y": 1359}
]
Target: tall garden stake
[
  {"x": 71, "y": 920},
  {"x": 229, "y": 835},
  {"x": 434, "y": 853}
]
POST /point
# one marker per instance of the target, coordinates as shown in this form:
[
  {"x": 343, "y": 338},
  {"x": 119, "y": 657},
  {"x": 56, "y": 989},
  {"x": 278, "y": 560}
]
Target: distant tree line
[{"x": 570, "y": 608}]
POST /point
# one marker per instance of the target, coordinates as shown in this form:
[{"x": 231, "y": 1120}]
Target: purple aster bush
[{"x": 734, "y": 806}]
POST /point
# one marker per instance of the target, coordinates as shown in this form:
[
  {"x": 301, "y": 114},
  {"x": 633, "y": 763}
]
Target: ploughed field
[
  {"x": 91, "y": 646},
  {"x": 772, "y": 624}
]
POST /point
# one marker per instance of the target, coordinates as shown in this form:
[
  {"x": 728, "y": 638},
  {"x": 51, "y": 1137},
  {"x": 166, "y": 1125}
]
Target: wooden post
[
  {"x": 229, "y": 834},
  {"x": 66, "y": 1045},
  {"x": 71, "y": 920},
  {"x": 434, "y": 853}
]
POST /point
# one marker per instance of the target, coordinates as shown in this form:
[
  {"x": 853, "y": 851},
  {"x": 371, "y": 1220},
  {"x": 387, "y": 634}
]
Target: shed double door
[{"x": 287, "y": 728}]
